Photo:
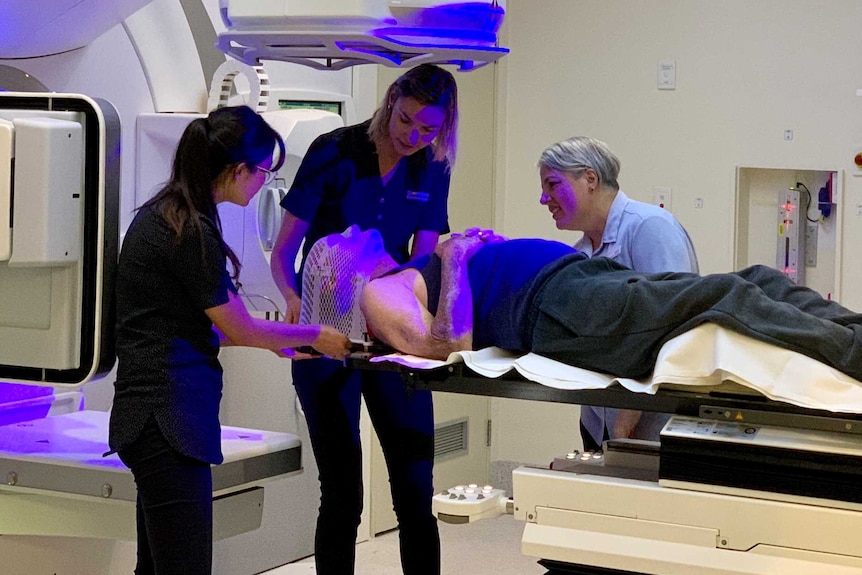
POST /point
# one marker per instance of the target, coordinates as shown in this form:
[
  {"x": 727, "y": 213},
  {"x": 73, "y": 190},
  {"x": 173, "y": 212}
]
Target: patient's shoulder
[{"x": 397, "y": 283}]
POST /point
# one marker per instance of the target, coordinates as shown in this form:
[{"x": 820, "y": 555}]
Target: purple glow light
[
  {"x": 478, "y": 16},
  {"x": 469, "y": 22},
  {"x": 11, "y": 394}
]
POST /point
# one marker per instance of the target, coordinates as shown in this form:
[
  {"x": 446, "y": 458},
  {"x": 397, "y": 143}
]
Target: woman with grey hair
[{"x": 580, "y": 188}]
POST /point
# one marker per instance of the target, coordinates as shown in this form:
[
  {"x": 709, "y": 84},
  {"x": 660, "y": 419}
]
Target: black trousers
[
  {"x": 174, "y": 507},
  {"x": 404, "y": 422},
  {"x": 598, "y": 316}
]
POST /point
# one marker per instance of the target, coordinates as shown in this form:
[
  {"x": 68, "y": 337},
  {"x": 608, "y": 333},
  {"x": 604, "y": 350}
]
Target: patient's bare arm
[
  {"x": 453, "y": 324},
  {"x": 396, "y": 306}
]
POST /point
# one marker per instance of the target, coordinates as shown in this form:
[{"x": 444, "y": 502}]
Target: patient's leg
[
  {"x": 779, "y": 287},
  {"x": 776, "y": 312},
  {"x": 617, "y": 322}
]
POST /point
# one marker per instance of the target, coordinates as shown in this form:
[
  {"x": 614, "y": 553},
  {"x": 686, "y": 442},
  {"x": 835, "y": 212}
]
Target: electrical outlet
[
  {"x": 662, "y": 197},
  {"x": 667, "y": 75}
]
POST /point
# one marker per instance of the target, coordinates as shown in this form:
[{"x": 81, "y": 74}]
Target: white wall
[{"x": 747, "y": 70}]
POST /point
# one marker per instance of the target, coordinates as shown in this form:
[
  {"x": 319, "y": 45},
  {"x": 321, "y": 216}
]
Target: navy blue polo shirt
[{"x": 338, "y": 185}]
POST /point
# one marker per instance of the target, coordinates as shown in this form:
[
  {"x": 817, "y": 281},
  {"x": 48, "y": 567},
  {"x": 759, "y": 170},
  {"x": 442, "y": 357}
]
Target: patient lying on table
[{"x": 479, "y": 290}]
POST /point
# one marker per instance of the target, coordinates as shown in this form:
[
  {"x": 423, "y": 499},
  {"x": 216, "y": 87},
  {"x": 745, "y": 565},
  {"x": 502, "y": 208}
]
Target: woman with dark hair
[
  {"x": 173, "y": 287},
  {"x": 390, "y": 173}
]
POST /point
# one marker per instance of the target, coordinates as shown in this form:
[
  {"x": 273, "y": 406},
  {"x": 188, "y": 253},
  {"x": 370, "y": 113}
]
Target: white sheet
[{"x": 705, "y": 356}]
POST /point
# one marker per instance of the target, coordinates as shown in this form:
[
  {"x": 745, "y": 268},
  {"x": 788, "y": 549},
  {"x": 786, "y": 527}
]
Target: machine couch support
[{"x": 629, "y": 511}]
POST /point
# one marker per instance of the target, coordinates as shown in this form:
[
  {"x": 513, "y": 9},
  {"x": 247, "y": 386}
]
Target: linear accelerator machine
[
  {"x": 786, "y": 503},
  {"x": 84, "y": 138}
]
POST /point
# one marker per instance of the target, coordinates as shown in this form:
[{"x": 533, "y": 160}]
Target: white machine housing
[
  {"x": 334, "y": 34},
  {"x": 718, "y": 498},
  {"x": 641, "y": 527},
  {"x": 56, "y": 316},
  {"x": 30, "y": 31}
]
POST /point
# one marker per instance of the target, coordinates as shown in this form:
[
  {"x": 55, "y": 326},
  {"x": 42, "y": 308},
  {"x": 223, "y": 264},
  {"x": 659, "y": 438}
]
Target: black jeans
[
  {"x": 404, "y": 422},
  {"x": 174, "y": 507}
]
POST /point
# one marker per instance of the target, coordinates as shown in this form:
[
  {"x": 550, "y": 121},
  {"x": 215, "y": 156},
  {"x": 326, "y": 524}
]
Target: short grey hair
[{"x": 576, "y": 154}]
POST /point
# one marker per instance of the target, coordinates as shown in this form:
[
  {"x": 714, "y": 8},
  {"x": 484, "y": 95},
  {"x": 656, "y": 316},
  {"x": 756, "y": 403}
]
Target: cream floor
[{"x": 491, "y": 546}]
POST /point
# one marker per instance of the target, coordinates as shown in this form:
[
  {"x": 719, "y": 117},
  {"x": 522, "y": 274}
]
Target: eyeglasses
[{"x": 270, "y": 175}]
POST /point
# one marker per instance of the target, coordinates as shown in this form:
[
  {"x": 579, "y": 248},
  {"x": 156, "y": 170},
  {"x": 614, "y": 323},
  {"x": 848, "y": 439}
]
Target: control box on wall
[{"x": 790, "y": 219}]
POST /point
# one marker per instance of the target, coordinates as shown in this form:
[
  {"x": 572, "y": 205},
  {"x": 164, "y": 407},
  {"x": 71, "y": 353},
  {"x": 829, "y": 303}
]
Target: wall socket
[
  {"x": 667, "y": 74},
  {"x": 662, "y": 197}
]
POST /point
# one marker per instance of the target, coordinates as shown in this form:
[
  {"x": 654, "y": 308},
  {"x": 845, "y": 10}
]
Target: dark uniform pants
[
  {"x": 404, "y": 422},
  {"x": 174, "y": 507}
]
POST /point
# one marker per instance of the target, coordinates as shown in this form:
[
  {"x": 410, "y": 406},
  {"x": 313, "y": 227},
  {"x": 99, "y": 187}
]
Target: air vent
[{"x": 450, "y": 439}]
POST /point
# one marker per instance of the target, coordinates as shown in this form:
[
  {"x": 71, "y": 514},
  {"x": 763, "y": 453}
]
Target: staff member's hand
[
  {"x": 332, "y": 343},
  {"x": 294, "y": 307},
  {"x": 295, "y": 354}
]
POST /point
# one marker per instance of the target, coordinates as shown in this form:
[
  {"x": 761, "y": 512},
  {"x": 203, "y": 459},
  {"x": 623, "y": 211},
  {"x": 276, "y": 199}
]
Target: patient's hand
[
  {"x": 487, "y": 236},
  {"x": 459, "y": 247},
  {"x": 463, "y": 246},
  {"x": 625, "y": 424}
]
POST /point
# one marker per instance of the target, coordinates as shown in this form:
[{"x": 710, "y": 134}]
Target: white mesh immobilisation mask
[{"x": 336, "y": 270}]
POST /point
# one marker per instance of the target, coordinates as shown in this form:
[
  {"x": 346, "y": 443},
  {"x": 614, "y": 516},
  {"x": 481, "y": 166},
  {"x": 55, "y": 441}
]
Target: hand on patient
[
  {"x": 625, "y": 424},
  {"x": 463, "y": 246}
]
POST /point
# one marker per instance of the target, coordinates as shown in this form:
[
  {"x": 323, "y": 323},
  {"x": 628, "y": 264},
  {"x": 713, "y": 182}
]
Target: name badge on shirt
[{"x": 417, "y": 195}]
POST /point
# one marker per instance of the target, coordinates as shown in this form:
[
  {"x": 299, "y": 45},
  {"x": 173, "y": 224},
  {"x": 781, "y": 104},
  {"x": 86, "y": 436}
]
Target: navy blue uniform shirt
[{"x": 338, "y": 185}]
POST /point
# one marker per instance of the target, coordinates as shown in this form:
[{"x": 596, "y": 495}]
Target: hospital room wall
[{"x": 746, "y": 71}]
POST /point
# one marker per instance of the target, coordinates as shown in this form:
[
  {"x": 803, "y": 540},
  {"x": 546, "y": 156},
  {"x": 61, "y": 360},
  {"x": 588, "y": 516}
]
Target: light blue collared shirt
[
  {"x": 643, "y": 237},
  {"x": 649, "y": 239}
]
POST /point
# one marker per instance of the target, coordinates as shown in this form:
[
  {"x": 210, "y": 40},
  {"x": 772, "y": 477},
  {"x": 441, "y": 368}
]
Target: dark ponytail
[{"x": 208, "y": 149}]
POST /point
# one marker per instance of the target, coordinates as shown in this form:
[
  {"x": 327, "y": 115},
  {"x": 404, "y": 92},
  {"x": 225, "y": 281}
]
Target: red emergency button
[{"x": 858, "y": 160}]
